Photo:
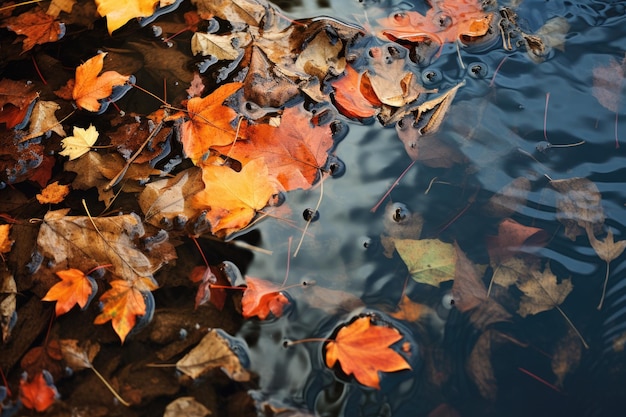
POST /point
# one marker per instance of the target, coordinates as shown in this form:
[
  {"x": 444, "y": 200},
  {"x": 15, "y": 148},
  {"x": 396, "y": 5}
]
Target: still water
[{"x": 507, "y": 122}]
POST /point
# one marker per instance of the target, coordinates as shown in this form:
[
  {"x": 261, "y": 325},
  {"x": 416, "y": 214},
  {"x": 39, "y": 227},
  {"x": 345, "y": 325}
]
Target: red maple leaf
[
  {"x": 262, "y": 297},
  {"x": 39, "y": 393}
]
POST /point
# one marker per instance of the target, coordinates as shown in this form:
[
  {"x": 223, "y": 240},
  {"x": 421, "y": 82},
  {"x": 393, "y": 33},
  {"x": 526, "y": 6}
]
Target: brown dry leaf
[
  {"x": 8, "y": 303},
  {"x": 222, "y": 47},
  {"x": 18, "y": 93},
  {"x": 542, "y": 292},
  {"x": 54, "y": 193},
  {"x": 212, "y": 352},
  {"x": 79, "y": 357},
  {"x": 5, "y": 240},
  {"x": 512, "y": 237},
  {"x": 89, "y": 175},
  {"x": 392, "y": 84},
  {"x": 250, "y": 12},
  {"x": 607, "y": 84},
  {"x": 479, "y": 366},
  {"x": 171, "y": 197},
  {"x": 566, "y": 356},
  {"x": 411, "y": 311},
  {"x": 468, "y": 289},
  {"x": 511, "y": 271},
  {"x": 58, "y": 6},
  {"x": 431, "y": 113},
  {"x": 578, "y": 206},
  {"x": 322, "y": 56},
  {"x": 607, "y": 250},
  {"x": 186, "y": 406},
  {"x": 508, "y": 199},
  {"x": 264, "y": 84},
  {"x": 37, "y": 26},
  {"x": 43, "y": 120},
  {"x": 72, "y": 242}
]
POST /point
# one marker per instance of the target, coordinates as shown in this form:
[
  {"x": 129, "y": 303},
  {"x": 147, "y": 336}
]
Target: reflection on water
[{"x": 497, "y": 121}]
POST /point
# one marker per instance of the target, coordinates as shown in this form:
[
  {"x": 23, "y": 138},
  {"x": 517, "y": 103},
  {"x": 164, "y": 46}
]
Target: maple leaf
[
  {"x": 54, "y": 193},
  {"x": 123, "y": 303},
  {"x": 607, "y": 87},
  {"x": 46, "y": 357},
  {"x": 75, "y": 288},
  {"x": 607, "y": 250},
  {"x": 262, "y": 297},
  {"x": 363, "y": 350},
  {"x": 39, "y": 393},
  {"x": 37, "y": 26},
  {"x": 209, "y": 122},
  {"x": 542, "y": 292},
  {"x": 91, "y": 87},
  {"x": 119, "y": 12},
  {"x": 79, "y": 144},
  {"x": 579, "y": 205},
  {"x": 294, "y": 151},
  {"x": 233, "y": 198}
]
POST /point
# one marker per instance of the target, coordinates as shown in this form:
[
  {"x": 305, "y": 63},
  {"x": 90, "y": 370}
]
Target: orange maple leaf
[
  {"x": 123, "y": 303},
  {"x": 294, "y": 151},
  {"x": 89, "y": 87},
  {"x": 75, "y": 288},
  {"x": 209, "y": 122},
  {"x": 349, "y": 99},
  {"x": 445, "y": 21},
  {"x": 38, "y": 394},
  {"x": 363, "y": 349},
  {"x": 233, "y": 198},
  {"x": 119, "y": 12},
  {"x": 262, "y": 297},
  {"x": 37, "y": 26}
]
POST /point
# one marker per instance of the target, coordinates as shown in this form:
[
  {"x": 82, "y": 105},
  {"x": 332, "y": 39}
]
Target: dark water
[{"x": 342, "y": 250}]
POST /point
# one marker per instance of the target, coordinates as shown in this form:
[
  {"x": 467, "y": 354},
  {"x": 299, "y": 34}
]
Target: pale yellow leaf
[{"x": 79, "y": 144}]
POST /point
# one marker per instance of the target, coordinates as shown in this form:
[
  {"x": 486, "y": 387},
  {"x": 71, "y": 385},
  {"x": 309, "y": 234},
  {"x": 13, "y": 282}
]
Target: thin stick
[
  {"x": 288, "y": 343},
  {"x": 493, "y": 79},
  {"x": 306, "y": 227},
  {"x": 545, "y": 118},
  {"x": 106, "y": 384},
  {"x": 288, "y": 260},
  {"x": 606, "y": 280},
  {"x": 12, "y": 6},
  {"x": 616, "y": 138},
  {"x": 543, "y": 381},
  {"x": 458, "y": 54},
  {"x": 37, "y": 69},
  {"x": 396, "y": 182}
]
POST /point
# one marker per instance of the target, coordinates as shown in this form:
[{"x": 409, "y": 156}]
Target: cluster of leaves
[{"x": 261, "y": 119}]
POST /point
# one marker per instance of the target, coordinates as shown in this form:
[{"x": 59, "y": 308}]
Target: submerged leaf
[
  {"x": 542, "y": 292},
  {"x": 430, "y": 261},
  {"x": 578, "y": 206}
]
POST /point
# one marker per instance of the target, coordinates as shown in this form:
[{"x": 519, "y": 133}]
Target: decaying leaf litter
[{"x": 109, "y": 212}]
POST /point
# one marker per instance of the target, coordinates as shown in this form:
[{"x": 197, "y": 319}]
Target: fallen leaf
[
  {"x": 578, "y": 206},
  {"x": 479, "y": 366},
  {"x": 80, "y": 143},
  {"x": 163, "y": 200},
  {"x": 58, "y": 6},
  {"x": 468, "y": 290},
  {"x": 322, "y": 56},
  {"x": 261, "y": 298},
  {"x": 213, "y": 351},
  {"x": 208, "y": 276},
  {"x": 222, "y": 47},
  {"x": 37, "y": 26},
  {"x": 411, "y": 311},
  {"x": 233, "y": 198},
  {"x": 209, "y": 122},
  {"x": 197, "y": 86},
  {"x": 364, "y": 349},
  {"x": 123, "y": 302},
  {"x": 79, "y": 357},
  {"x": 8, "y": 303},
  {"x": 607, "y": 84},
  {"x": 430, "y": 261},
  {"x": 91, "y": 87},
  {"x": 512, "y": 237},
  {"x": 348, "y": 98},
  {"x": 39, "y": 393},
  {"x": 47, "y": 357},
  {"x": 5, "y": 240},
  {"x": 75, "y": 288},
  {"x": 250, "y": 12},
  {"x": 607, "y": 250},
  {"x": 16, "y": 100},
  {"x": 566, "y": 356},
  {"x": 329, "y": 300},
  {"x": 43, "y": 120},
  {"x": 186, "y": 406},
  {"x": 508, "y": 199},
  {"x": 294, "y": 152},
  {"x": 511, "y": 270},
  {"x": 542, "y": 292},
  {"x": 54, "y": 193},
  {"x": 119, "y": 12}
]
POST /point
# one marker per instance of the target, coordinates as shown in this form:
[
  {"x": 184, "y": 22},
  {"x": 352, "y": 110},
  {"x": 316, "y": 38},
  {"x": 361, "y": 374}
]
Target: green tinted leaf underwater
[{"x": 430, "y": 261}]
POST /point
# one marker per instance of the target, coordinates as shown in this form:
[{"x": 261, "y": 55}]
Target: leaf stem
[
  {"x": 606, "y": 280},
  {"x": 396, "y": 182},
  {"x": 12, "y": 6},
  {"x": 106, "y": 383},
  {"x": 580, "y": 336},
  {"x": 306, "y": 227},
  {"x": 288, "y": 343}
]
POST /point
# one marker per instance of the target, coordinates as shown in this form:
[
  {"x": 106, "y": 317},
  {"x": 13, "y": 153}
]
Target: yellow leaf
[
  {"x": 119, "y": 12},
  {"x": 79, "y": 144}
]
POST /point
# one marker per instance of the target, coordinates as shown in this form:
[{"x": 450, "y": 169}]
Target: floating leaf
[
  {"x": 43, "y": 120},
  {"x": 222, "y": 47},
  {"x": 123, "y": 303},
  {"x": 80, "y": 143},
  {"x": 119, "y": 12},
  {"x": 186, "y": 406},
  {"x": 39, "y": 393},
  {"x": 8, "y": 303},
  {"x": 262, "y": 298},
  {"x": 430, "y": 261},
  {"x": 5, "y": 241},
  {"x": 91, "y": 87},
  {"x": 37, "y": 26},
  {"x": 54, "y": 193},
  {"x": 212, "y": 352},
  {"x": 348, "y": 98},
  {"x": 75, "y": 288},
  {"x": 364, "y": 349}
]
